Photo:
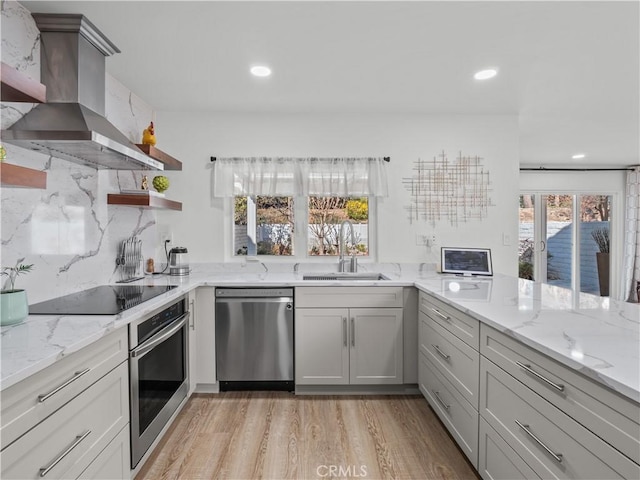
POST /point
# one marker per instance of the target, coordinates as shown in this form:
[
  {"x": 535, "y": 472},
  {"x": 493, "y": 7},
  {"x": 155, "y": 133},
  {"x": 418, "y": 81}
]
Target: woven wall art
[{"x": 455, "y": 192}]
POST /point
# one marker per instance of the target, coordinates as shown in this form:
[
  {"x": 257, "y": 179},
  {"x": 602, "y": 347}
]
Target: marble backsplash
[{"x": 67, "y": 231}]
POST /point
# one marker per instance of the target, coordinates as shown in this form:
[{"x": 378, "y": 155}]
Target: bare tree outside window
[
  {"x": 595, "y": 208},
  {"x": 264, "y": 225},
  {"x": 325, "y": 216}
]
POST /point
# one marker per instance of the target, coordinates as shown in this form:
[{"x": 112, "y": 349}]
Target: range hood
[{"x": 71, "y": 125}]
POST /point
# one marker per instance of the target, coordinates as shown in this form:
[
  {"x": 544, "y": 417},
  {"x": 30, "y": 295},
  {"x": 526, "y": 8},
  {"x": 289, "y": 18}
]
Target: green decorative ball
[{"x": 160, "y": 183}]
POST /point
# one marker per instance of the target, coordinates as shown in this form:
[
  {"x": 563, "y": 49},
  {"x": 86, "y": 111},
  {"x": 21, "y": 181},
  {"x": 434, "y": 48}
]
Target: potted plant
[
  {"x": 601, "y": 237},
  {"x": 14, "y": 307}
]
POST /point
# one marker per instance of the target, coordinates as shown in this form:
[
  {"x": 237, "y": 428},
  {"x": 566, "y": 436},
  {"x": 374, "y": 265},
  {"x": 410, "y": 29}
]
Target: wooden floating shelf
[
  {"x": 170, "y": 163},
  {"x": 17, "y": 176},
  {"x": 18, "y": 87},
  {"x": 143, "y": 201}
]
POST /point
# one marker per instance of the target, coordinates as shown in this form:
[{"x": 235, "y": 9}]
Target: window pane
[
  {"x": 325, "y": 216},
  {"x": 559, "y": 239},
  {"x": 526, "y": 237},
  {"x": 594, "y": 244},
  {"x": 263, "y": 224}
]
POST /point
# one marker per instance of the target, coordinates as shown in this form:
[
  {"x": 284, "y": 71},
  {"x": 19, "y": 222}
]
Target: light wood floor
[{"x": 272, "y": 435}]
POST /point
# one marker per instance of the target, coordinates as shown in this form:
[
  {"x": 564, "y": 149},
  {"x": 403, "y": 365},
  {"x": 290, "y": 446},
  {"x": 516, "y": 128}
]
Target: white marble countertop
[{"x": 596, "y": 336}]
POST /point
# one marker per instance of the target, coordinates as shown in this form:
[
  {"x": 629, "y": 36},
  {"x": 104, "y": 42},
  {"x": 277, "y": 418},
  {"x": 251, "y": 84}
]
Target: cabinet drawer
[
  {"x": 102, "y": 410},
  {"x": 550, "y": 442},
  {"x": 455, "y": 360},
  {"x": 497, "y": 460},
  {"x": 113, "y": 462},
  {"x": 459, "y": 417},
  {"x": 460, "y": 324},
  {"x": 347, "y": 297},
  {"x": 23, "y": 404},
  {"x": 609, "y": 415}
]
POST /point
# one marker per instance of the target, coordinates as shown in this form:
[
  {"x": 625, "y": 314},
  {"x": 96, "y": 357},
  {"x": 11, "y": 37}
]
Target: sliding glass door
[{"x": 564, "y": 240}]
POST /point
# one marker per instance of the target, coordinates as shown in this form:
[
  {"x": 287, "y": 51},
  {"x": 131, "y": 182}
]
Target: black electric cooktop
[{"x": 102, "y": 300}]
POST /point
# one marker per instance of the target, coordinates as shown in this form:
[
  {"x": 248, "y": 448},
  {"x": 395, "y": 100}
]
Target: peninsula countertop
[{"x": 597, "y": 336}]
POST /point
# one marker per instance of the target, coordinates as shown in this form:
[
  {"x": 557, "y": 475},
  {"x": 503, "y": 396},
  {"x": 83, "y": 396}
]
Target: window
[
  {"x": 265, "y": 225},
  {"x": 326, "y": 214},
  {"x": 296, "y": 206}
]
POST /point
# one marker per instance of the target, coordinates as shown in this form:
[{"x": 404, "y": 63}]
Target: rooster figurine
[{"x": 148, "y": 136}]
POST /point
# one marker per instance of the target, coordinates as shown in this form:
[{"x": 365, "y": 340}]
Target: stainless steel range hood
[{"x": 71, "y": 125}]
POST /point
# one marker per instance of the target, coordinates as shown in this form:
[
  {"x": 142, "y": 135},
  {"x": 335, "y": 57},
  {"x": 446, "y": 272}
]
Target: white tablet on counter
[{"x": 466, "y": 261}]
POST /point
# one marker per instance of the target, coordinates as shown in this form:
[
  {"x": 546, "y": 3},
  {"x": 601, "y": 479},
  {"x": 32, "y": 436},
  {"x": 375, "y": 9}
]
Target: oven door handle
[{"x": 158, "y": 339}]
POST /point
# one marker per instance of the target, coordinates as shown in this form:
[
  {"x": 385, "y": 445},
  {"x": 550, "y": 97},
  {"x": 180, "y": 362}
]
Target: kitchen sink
[{"x": 345, "y": 276}]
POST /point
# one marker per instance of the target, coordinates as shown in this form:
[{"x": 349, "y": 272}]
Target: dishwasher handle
[{"x": 287, "y": 300}]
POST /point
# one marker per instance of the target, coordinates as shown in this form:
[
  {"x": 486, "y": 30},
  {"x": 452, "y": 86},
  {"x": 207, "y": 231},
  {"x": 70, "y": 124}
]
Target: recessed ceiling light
[
  {"x": 578, "y": 156},
  {"x": 485, "y": 74},
  {"x": 260, "y": 71}
]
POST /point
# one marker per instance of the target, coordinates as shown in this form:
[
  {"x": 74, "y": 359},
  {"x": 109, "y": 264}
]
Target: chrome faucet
[{"x": 353, "y": 264}]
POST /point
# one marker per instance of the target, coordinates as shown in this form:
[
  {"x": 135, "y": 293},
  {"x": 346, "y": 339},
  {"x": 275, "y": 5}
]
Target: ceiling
[{"x": 569, "y": 70}]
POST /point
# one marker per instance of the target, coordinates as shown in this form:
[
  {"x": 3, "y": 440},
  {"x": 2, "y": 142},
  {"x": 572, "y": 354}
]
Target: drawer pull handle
[
  {"x": 440, "y": 314},
  {"x": 353, "y": 332},
  {"x": 440, "y": 352},
  {"x": 76, "y": 376},
  {"x": 557, "y": 386},
  {"x": 437, "y": 394},
  {"x": 344, "y": 330},
  {"x": 76, "y": 442},
  {"x": 557, "y": 456}
]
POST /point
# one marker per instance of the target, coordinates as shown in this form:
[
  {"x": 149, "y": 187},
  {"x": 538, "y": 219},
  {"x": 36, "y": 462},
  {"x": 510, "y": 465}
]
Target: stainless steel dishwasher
[{"x": 254, "y": 338}]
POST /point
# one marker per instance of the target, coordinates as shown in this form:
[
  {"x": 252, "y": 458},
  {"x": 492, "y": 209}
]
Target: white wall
[{"x": 193, "y": 137}]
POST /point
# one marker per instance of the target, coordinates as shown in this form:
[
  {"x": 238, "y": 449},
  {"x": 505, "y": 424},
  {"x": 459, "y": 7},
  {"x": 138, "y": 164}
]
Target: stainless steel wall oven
[{"x": 159, "y": 373}]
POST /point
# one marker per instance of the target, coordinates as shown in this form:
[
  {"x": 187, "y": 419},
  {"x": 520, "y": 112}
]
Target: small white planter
[{"x": 14, "y": 307}]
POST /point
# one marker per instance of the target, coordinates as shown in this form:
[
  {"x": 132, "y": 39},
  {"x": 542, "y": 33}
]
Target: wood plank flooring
[{"x": 275, "y": 435}]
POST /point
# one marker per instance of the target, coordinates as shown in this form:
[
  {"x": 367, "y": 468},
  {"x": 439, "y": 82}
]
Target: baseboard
[
  {"x": 407, "y": 389},
  {"x": 207, "y": 388}
]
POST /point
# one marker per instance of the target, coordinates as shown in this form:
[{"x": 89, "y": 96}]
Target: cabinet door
[
  {"x": 376, "y": 346},
  {"x": 321, "y": 346},
  {"x": 205, "y": 342}
]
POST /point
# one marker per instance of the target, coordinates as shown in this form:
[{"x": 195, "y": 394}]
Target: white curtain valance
[{"x": 278, "y": 176}]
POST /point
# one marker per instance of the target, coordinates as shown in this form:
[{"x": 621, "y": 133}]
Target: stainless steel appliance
[
  {"x": 158, "y": 373},
  {"x": 178, "y": 261},
  {"x": 254, "y": 338},
  {"x": 71, "y": 125}
]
